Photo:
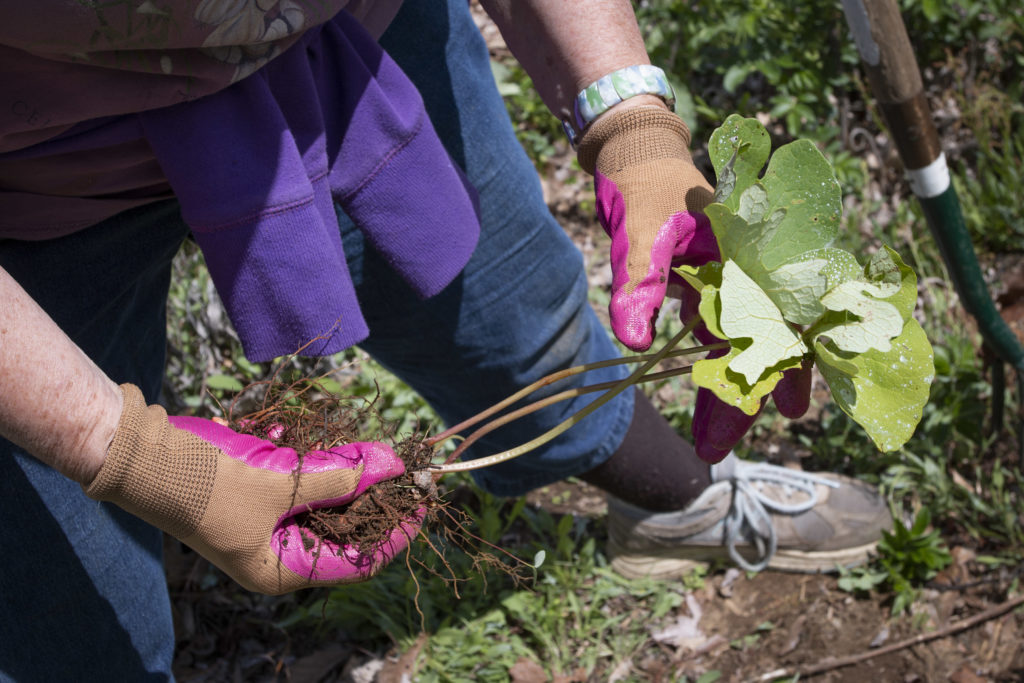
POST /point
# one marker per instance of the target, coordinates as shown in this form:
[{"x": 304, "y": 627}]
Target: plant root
[{"x": 303, "y": 416}]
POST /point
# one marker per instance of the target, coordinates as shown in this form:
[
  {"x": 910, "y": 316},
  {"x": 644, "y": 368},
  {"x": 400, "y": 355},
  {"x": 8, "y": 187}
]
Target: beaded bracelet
[{"x": 607, "y": 91}]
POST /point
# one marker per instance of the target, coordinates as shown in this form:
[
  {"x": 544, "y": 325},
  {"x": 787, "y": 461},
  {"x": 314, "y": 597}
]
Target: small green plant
[
  {"x": 752, "y": 639},
  {"x": 781, "y": 297},
  {"x": 908, "y": 557}
]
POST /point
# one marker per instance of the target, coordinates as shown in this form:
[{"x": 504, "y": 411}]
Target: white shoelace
[{"x": 749, "y": 515}]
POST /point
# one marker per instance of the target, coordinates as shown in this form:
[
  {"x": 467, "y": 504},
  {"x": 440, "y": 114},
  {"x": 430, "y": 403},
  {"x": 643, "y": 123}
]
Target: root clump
[{"x": 303, "y": 417}]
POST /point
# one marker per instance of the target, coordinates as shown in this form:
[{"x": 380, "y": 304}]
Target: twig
[
  {"x": 831, "y": 663},
  {"x": 1002, "y": 577}
]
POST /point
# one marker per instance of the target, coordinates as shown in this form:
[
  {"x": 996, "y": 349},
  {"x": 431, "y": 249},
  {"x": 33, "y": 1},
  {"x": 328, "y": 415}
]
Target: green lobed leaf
[
  {"x": 871, "y": 309},
  {"x": 737, "y": 238},
  {"x": 738, "y": 149},
  {"x": 779, "y": 271},
  {"x": 731, "y": 387},
  {"x": 793, "y": 209},
  {"x": 767, "y": 226},
  {"x": 800, "y": 181},
  {"x": 887, "y": 266},
  {"x": 840, "y": 265},
  {"x": 872, "y": 324},
  {"x": 699, "y": 277},
  {"x": 796, "y": 288},
  {"x": 887, "y": 393},
  {"x": 710, "y": 309},
  {"x": 748, "y": 313}
]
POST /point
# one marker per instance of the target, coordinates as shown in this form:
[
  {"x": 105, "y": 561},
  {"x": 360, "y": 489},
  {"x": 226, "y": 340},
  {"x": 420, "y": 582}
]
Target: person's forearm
[
  {"x": 54, "y": 401},
  {"x": 565, "y": 45}
]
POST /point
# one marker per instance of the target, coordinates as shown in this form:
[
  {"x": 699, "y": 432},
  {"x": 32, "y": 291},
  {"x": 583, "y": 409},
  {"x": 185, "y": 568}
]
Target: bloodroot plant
[
  {"x": 784, "y": 297},
  {"x": 781, "y": 299}
]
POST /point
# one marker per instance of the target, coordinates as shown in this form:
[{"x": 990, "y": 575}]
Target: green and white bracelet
[{"x": 607, "y": 91}]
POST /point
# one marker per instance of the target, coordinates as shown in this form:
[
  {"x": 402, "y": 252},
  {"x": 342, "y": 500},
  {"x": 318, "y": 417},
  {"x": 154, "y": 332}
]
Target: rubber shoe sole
[{"x": 676, "y": 563}]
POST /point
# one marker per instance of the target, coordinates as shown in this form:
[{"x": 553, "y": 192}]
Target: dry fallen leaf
[{"x": 527, "y": 671}]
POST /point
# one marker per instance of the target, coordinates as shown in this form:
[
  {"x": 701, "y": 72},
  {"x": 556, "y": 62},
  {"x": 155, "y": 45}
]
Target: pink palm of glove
[
  {"x": 649, "y": 199},
  {"x": 234, "y": 497}
]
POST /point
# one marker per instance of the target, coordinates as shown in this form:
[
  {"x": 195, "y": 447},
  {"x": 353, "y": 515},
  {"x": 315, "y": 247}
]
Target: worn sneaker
[{"x": 757, "y": 515}]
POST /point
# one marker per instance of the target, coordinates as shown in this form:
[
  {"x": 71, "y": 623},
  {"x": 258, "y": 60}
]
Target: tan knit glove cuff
[
  {"x": 632, "y": 136},
  {"x": 142, "y": 484}
]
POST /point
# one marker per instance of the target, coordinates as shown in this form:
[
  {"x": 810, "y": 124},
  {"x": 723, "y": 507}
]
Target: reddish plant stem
[
  {"x": 554, "y": 377},
  {"x": 555, "y": 398}
]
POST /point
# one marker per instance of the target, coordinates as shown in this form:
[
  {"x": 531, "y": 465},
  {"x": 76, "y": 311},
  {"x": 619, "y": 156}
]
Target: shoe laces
[{"x": 750, "y": 515}]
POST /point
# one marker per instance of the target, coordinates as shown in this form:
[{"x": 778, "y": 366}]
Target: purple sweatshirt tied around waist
[{"x": 258, "y": 166}]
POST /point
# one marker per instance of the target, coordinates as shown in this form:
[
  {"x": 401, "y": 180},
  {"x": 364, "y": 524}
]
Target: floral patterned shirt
[{"x": 69, "y": 68}]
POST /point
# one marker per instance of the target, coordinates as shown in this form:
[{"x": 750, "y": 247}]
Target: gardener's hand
[
  {"x": 649, "y": 199},
  {"x": 233, "y": 497}
]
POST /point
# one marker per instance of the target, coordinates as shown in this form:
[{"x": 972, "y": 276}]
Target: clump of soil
[
  {"x": 304, "y": 417},
  {"x": 368, "y": 520}
]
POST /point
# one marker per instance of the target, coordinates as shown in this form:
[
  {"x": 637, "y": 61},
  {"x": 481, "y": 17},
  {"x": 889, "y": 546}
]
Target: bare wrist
[{"x": 96, "y": 442}]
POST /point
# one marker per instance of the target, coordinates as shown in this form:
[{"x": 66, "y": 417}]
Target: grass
[{"x": 794, "y": 63}]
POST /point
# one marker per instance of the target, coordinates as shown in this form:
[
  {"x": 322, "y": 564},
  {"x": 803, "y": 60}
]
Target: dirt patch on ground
[
  {"x": 753, "y": 625},
  {"x": 776, "y": 622}
]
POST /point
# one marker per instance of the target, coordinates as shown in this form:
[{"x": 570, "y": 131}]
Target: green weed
[{"x": 908, "y": 557}]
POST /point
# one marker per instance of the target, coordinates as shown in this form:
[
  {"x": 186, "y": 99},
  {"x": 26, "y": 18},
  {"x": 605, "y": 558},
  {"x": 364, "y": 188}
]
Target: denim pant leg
[
  {"x": 519, "y": 310},
  {"x": 83, "y": 595}
]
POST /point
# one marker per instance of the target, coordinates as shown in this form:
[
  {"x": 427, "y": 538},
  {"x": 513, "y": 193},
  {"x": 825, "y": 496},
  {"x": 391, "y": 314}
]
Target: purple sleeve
[{"x": 257, "y": 168}]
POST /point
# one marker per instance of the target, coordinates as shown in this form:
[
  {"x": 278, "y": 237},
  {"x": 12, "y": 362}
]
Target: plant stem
[
  {"x": 554, "y": 398},
  {"x": 617, "y": 388},
  {"x": 562, "y": 374}
]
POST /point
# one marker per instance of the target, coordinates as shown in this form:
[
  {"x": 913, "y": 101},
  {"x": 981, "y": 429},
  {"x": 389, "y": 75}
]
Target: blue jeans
[
  {"x": 82, "y": 590},
  {"x": 519, "y": 310},
  {"x": 81, "y": 586}
]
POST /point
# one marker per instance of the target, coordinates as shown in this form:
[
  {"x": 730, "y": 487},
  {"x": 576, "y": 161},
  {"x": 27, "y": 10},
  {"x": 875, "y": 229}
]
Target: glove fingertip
[
  {"x": 718, "y": 427},
  {"x": 633, "y": 322},
  {"x": 380, "y": 462},
  {"x": 710, "y": 454},
  {"x": 792, "y": 395}
]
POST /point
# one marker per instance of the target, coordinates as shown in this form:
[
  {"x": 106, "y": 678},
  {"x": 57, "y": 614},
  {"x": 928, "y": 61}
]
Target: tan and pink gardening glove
[
  {"x": 233, "y": 497},
  {"x": 650, "y": 199}
]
